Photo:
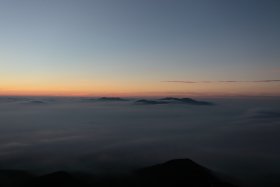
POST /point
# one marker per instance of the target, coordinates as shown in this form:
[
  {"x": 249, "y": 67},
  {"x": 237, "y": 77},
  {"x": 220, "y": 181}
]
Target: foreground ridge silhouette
[{"x": 179, "y": 172}]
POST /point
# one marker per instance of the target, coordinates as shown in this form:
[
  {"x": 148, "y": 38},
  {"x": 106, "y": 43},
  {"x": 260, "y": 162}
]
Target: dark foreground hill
[{"x": 181, "y": 172}]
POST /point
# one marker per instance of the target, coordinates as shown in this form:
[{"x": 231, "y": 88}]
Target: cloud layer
[
  {"x": 237, "y": 136},
  {"x": 223, "y": 81}
]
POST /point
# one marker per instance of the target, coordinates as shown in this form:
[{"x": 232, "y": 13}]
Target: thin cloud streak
[
  {"x": 276, "y": 70},
  {"x": 226, "y": 81},
  {"x": 189, "y": 82},
  {"x": 268, "y": 81}
]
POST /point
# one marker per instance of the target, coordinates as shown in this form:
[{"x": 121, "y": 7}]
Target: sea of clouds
[{"x": 238, "y": 137}]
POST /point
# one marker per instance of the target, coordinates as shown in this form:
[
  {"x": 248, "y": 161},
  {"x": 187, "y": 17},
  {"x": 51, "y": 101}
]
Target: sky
[{"x": 140, "y": 47}]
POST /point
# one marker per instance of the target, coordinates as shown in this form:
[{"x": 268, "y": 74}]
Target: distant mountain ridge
[
  {"x": 174, "y": 100},
  {"x": 104, "y": 99},
  {"x": 150, "y": 102},
  {"x": 111, "y": 99}
]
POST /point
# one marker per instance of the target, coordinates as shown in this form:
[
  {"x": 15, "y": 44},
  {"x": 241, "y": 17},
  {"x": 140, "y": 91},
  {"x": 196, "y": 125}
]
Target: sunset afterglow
[{"x": 135, "y": 47}]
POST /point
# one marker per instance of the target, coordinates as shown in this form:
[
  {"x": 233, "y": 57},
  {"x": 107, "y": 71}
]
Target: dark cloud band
[{"x": 226, "y": 81}]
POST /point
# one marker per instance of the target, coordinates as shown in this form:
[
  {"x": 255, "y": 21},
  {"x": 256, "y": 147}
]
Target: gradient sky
[{"x": 139, "y": 47}]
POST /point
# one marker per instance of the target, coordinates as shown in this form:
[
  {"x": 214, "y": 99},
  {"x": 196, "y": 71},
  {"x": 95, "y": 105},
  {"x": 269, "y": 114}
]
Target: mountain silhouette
[
  {"x": 186, "y": 101},
  {"x": 104, "y": 99},
  {"x": 111, "y": 99},
  {"x": 150, "y": 102},
  {"x": 179, "y": 172},
  {"x": 14, "y": 177},
  {"x": 174, "y": 173},
  {"x": 61, "y": 179},
  {"x": 173, "y": 100}
]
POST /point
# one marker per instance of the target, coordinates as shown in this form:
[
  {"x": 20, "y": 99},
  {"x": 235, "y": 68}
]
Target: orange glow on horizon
[{"x": 140, "y": 89}]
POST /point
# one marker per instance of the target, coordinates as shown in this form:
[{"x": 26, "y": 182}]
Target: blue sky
[{"x": 117, "y": 46}]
